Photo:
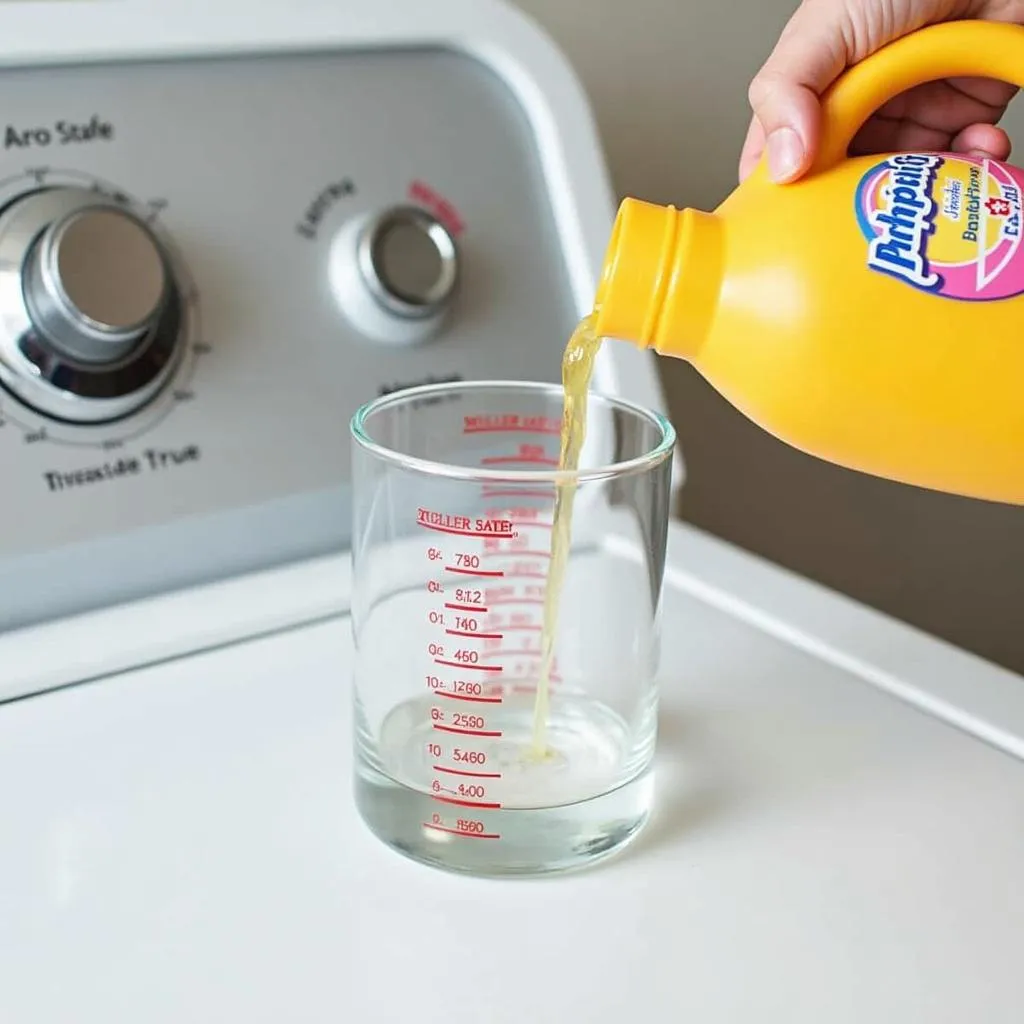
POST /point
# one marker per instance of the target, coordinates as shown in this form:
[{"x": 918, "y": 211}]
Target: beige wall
[{"x": 668, "y": 81}]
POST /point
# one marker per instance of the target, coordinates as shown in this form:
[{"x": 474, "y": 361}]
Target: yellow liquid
[{"x": 577, "y": 367}]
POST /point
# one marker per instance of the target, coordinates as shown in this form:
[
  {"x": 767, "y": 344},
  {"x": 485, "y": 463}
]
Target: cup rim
[{"x": 638, "y": 464}]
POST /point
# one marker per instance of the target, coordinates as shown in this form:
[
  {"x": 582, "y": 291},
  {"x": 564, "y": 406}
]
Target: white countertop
[{"x": 178, "y": 843}]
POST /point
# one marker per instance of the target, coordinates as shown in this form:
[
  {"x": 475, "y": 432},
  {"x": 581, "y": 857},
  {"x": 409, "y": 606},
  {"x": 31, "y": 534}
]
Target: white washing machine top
[{"x": 837, "y": 838}]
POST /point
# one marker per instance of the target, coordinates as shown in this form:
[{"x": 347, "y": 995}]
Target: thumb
[{"x": 809, "y": 56}]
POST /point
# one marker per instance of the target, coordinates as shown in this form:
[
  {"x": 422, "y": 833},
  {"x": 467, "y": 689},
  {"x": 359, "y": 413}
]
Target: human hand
[{"x": 823, "y": 38}]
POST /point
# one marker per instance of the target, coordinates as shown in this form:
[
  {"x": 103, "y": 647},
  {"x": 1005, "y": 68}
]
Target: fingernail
[{"x": 785, "y": 153}]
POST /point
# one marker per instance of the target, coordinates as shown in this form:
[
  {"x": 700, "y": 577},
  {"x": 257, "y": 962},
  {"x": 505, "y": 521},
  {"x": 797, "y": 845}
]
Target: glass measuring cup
[{"x": 457, "y": 764}]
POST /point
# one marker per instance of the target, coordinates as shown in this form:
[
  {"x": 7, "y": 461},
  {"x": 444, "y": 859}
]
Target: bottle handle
[{"x": 954, "y": 49}]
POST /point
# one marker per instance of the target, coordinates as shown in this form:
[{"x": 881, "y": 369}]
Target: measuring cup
[{"x": 468, "y": 755}]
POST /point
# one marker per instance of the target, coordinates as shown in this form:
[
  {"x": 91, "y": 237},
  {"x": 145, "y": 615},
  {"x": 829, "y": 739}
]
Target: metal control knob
[
  {"x": 409, "y": 261},
  {"x": 92, "y": 320},
  {"x": 94, "y": 283}
]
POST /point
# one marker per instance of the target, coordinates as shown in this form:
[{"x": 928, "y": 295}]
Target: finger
[
  {"x": 931, "y": 115},
  {"x": 951, "y": 105},
  {"x": 896, "y": 134},
  {"x": 753, "y": 147},
  {"x": 984, "y": 140},
  {"x": 823, "y": 38},
  {"x": 990, "y": 91},
  {"x": 784, "y": 94}
]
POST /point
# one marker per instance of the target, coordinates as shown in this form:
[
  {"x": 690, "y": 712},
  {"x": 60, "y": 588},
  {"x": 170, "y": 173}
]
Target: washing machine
[{"x": 223, "y": 226}]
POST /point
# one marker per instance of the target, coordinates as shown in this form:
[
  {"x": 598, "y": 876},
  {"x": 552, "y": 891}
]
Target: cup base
[{"x": 508, "y": 842}]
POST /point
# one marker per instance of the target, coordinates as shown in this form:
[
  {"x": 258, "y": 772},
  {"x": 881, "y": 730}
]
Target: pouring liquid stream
[{"x": 577, "y": 368}]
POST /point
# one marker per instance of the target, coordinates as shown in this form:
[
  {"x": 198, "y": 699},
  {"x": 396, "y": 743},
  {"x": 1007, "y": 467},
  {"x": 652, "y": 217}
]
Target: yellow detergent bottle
[{"x": 871, "y": 313}]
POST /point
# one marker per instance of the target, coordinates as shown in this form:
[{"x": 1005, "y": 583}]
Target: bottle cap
[{"x": 637, "y": 271}]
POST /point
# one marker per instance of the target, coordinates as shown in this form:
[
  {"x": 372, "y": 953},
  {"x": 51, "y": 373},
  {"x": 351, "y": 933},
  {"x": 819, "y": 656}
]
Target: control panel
[{"x": 207, "y": 265}]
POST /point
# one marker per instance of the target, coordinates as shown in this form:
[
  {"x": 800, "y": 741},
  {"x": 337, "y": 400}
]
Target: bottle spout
[
  {"x": 635, "y": 274},
  {"x": 659, "y": 280}
]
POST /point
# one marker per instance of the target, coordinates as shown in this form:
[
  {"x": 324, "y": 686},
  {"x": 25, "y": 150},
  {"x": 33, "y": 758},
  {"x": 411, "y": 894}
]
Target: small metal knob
[
  {"x": 95, "y": 283},
  {"x": 409, "y": 262}
]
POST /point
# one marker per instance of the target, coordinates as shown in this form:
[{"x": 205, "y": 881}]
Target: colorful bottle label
[{"x": 945, "y": 223}]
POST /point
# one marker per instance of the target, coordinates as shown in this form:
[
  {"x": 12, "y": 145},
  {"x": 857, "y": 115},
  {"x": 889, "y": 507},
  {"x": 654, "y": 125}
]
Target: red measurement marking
[
  {"x": 524, "y": 629},
  {"x": 456, "y": 832},
  {"x": 511, "y": 423},
  {"x": 523, "y": 653},
  {"x": 479, "y": 668},
  {"x": 506, "y": 460},
  {"x": 466, "y": 607},
  {"x": 470, "y": 700},
  {"x": 517, "y": 553},
  {"x": 465, "y": 732},
  {"x": 518, "y": 428},
  {"x": 473, "y": 572},
  {"x": 517, "y": 492},
  {"x": 464, "y": 533},
  {"x": 482, "y": 636},
  {"x": 465, "y": 803},
  {"x": 525, "y": 576},
  {"x": 468, "y": 775},
  {"x": 541, "y": 524},
  {"x": 528, "y": 686}
]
